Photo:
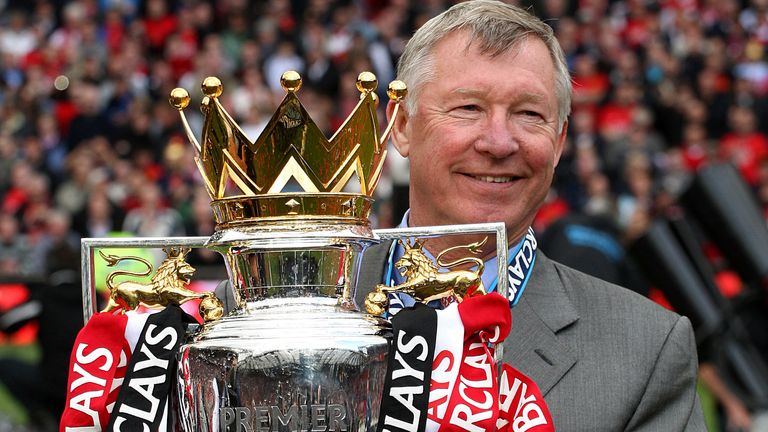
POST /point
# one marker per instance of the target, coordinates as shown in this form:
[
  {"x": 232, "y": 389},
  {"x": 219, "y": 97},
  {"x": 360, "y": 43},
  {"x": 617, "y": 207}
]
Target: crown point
[
  {"x": 397, "y": 90},
  {"x": 212, "y": 87},
  {"x": 290, "y": 81},
  {"x": 179, "y": 98},
  {"x": 367, "y": 82}
]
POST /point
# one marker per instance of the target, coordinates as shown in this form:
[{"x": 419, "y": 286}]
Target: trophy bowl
[{"x": 294, "y": 354}]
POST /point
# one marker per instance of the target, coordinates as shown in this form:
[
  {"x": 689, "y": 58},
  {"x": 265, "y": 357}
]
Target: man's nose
[{"x": 499, "y": 137}]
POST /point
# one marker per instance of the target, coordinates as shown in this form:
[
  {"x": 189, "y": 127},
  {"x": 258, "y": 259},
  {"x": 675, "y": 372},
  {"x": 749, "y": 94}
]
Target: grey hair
[{"x": 498, "y": 27}]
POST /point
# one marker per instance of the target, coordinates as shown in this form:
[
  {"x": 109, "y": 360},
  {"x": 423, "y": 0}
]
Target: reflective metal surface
[
  {"x": 423, "y": 280},
  {"x": 289, "y": 365},
  {"x": 88, "y": 247},
  {"x": 291, "y": 168},
  {"x": 295, "y": 354},
  {"x": 168, "y": 285}
]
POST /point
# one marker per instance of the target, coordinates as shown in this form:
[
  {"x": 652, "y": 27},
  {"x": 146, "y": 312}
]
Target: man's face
[{"x": 483, "y": 142}]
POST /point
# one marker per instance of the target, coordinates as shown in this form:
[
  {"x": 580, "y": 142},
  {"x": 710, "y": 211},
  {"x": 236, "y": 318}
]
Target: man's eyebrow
[
  {"x": 462, "y": 91},
  {"x": 530, "y": 97}
]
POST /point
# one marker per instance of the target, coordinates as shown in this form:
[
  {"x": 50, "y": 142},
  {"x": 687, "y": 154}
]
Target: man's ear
[
  {"x": 560, "y": 143},
  {"x": 399, "y": 135}
]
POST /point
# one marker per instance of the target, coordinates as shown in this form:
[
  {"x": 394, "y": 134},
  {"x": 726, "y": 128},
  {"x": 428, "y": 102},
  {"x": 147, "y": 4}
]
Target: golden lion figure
[
  {"x": 425, "y": 283},
  {"x": 168, "y": 285}
]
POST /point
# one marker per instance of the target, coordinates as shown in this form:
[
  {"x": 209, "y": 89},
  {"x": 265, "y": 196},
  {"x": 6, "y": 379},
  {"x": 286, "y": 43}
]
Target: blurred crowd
[{"x": 89, "y": 144}]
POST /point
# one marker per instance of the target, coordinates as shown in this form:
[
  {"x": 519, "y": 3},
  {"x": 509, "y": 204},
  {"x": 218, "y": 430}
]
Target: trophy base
[{"x": 300, "y": 364}]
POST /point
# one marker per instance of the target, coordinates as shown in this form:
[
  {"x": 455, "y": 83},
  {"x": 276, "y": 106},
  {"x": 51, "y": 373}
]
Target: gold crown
[{"x": 247, "y": 180}]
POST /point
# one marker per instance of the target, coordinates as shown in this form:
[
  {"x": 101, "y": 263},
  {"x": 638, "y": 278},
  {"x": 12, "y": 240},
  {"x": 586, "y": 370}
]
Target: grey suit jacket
[{"x": 604, "y": 358}]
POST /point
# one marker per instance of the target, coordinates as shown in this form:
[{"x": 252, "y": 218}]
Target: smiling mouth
[{"x": 493, "y": 179}]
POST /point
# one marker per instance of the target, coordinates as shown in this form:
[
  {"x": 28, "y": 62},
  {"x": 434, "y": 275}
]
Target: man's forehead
[
  {"x": 465, "y": 42},
  {"x": 444, "y": 54}
]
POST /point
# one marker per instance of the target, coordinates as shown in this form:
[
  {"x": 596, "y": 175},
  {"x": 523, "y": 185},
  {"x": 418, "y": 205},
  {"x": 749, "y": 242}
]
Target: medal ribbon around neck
[{"x": 519, "y": 267}]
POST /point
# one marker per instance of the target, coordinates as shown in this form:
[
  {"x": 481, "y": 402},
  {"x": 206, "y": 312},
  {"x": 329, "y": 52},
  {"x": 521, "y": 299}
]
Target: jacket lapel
[
  {"x": 544, "y": 310},
  {"x": 371, "y": 271}
]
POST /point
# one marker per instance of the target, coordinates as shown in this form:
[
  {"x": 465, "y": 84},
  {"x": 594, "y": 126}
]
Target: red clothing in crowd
[
  {"x": 157, "y": 30},
  {"x": 745, "y": 151},
  {"x": 614, "y": 118}
]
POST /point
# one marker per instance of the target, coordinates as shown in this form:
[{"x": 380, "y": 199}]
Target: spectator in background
[
  {"x": 73, "y": 194},
  {"x": 284, "y": 58},
  {"x": 18, "y": 39},
  {"x": 60, "y": 245},
  {"x": 158, "y": 24},
  {"x": 17, "y": 195},
  {"x": 41, "y": 386},
  {"x": 744, "y": 146},
  {"x": 252, "y": 96},
  {"x": 100, "y": 217},
  {"x": 152, "y": 217},
  {"x": 614, "y": 122},
  {"x": 637, "y": 200},
  {"x": 89, "y": 121},
  {"x": 590, "y": 85},
  {"x": 697, "y": 149},
  {"x": 14, "y": 249},
  {"x": 66, "y": 38}
]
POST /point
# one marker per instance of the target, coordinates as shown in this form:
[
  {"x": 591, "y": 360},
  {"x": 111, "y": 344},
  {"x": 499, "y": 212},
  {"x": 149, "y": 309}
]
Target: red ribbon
[
  {"x": 478, "y": 402},
  {"x": 522, "y": 408},
  {"x": 465, "y": 394},
  {"x": 96, "y": 369}
]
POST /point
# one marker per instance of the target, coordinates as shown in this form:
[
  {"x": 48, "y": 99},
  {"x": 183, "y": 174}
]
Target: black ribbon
[
  {"x": 144, "y": 393},
  {"x": 409, "y": 371}
]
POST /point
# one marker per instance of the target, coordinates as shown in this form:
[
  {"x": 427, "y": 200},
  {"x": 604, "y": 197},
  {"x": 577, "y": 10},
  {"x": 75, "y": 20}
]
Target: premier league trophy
[{"x": 295, "y": 354}]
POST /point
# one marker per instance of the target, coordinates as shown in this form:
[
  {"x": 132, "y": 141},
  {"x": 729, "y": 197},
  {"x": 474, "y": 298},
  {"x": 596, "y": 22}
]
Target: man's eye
[
  {"x": 469, "y": 108},
  {"x": 528, "y": 113}
]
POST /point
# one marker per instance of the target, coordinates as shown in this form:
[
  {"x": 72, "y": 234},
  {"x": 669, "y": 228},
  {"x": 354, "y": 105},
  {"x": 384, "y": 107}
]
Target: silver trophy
[{"x": 296, "y": 353}]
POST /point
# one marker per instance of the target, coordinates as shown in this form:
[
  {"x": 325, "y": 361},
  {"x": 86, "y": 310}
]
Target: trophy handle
[
  {"x": 496, "y": 228},
  {"x": 88, "y": 247}
]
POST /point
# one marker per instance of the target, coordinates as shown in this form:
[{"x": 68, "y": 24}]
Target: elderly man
[{"x": 484, "y": 127}]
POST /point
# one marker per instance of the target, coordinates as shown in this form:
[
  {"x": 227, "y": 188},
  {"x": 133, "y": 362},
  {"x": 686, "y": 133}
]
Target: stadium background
[{"x": 90, "y": 147}]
